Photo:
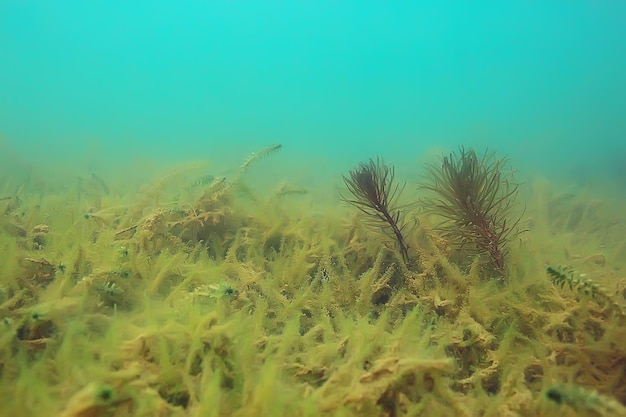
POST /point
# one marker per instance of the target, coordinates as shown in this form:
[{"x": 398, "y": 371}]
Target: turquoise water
[
  {"x": 102, "y": 83},
  {"x": 162, "y": 254}
]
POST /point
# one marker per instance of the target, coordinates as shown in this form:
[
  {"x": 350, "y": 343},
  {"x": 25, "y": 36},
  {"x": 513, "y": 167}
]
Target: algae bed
[{"x": 199, "y": 295}]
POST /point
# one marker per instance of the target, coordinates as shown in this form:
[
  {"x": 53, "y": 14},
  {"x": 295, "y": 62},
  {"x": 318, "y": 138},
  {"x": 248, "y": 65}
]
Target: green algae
[{"x": 188, "y": 297}]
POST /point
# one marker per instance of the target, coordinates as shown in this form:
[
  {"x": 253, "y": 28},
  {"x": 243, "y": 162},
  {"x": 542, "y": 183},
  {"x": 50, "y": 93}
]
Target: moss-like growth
[{"x": 154, "y": 304}]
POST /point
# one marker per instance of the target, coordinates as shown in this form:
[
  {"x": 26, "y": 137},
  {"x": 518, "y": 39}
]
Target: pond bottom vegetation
[{"x": 203, "y": 295}]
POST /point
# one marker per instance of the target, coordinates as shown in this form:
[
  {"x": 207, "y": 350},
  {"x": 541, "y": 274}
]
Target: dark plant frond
[
  {"x": 374, "y": 192},
  {"x": 475, "y": 197}
]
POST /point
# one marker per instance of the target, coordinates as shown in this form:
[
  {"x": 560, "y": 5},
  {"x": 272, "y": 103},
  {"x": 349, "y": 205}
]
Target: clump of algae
[{"x": 199, "y": 295}]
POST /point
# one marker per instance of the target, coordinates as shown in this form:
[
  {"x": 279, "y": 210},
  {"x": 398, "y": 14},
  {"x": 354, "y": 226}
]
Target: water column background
[{"x": 99, "y": 86}]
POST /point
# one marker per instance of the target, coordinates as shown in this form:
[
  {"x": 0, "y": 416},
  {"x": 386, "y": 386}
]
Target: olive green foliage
[
  {"x": 562, "y": 277},
  {"x": 191, "y": 293}
]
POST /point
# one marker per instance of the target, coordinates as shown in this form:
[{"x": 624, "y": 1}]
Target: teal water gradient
[{"x": 342, "y": 80}]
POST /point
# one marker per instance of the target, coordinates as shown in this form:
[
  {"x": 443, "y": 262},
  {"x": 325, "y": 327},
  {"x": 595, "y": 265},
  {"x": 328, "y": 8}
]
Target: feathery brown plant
[
  {"x": 375, "y": 193},
  {"x": 475, "y": 198}
]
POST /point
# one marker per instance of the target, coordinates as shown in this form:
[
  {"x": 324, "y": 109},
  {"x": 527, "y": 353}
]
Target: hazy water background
[{"x": 99, "y": 84}]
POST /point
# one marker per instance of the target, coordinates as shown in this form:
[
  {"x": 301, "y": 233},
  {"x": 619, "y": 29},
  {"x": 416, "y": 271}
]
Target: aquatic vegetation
[
  {"x": 585, "y": 401},
  {"x": 374, "y": 192},
  {"x": 476, "y": 198},
  {"x": 564, "y": 276},
  {"x": 186, "y": 297}
]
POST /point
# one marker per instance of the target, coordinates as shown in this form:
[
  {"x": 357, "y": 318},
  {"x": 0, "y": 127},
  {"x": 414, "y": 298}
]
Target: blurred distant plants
[{"x": 208, "y": 220}]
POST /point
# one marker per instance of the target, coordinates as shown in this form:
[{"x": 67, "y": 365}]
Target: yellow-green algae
[{"x": 201, "y": 295}]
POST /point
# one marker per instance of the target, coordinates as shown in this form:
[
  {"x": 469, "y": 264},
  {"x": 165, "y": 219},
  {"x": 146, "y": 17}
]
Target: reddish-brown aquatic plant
[
  {"x": 475, "y": 197},
  {"x": 375, "y": 193}
]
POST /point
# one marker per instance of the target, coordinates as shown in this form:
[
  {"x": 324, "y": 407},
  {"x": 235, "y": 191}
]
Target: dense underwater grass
[{"x": 197, "y": 295}]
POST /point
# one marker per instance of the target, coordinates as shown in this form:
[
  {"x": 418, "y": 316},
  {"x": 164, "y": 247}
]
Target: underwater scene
[{"x": 270, "y": 208}]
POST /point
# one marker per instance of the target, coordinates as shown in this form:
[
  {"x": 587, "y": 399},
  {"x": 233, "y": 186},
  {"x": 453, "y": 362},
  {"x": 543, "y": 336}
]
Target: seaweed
[
  {"x": 209, "y": 217},
  {"x": 184, "y": 298},
  {"x": 375, "y": 193},
  {"x": 562, "y": 276},
  {"x": 475, "y": 197}
]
